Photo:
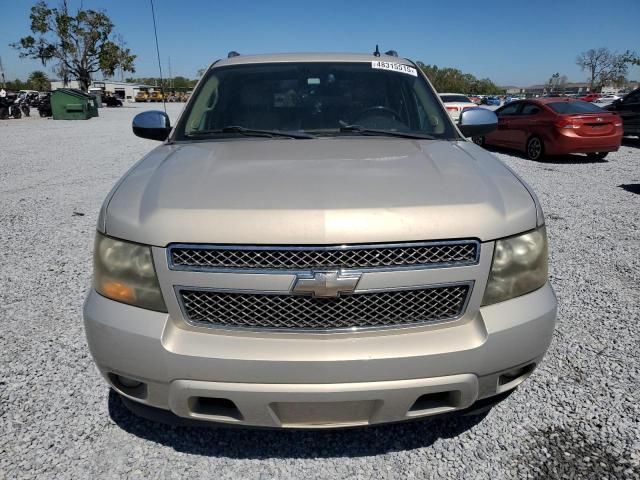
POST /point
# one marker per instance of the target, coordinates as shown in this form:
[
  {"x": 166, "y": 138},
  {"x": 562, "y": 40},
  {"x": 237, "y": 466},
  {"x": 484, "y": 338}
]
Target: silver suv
[{"x": 316, "y": 244}]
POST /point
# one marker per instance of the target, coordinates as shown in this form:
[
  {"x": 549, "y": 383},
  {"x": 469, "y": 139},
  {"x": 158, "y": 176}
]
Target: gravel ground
[{"x": 577, "y": 417}]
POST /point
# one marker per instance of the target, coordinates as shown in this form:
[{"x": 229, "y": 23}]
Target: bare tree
[{"x": 604, "y": 66}]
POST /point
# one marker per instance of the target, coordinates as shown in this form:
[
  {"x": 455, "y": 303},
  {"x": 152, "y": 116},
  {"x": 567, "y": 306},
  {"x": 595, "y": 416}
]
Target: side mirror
[
  {"x": 476, "y": 122},
  {"x": 154, "y": 125}
]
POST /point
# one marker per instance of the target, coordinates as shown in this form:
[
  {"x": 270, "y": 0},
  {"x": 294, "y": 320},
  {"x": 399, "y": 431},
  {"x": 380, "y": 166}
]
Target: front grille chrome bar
[
  {"x": 371, "y": 310},
  {"x": 264, "y": 259}
]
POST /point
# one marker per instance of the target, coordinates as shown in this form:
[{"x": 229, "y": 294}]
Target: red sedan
[
  {"x": 556, "y": 126},
  {"x": 590, "y": 97}
]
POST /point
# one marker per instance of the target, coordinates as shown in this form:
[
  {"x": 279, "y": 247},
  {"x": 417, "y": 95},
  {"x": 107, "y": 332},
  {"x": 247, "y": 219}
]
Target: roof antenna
[
  {"x": 155, "y": 31},
  {"x": 377, "y": 52}
]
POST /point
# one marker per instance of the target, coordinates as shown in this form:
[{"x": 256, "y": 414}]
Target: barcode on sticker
[{"x": 394, "y": 67}]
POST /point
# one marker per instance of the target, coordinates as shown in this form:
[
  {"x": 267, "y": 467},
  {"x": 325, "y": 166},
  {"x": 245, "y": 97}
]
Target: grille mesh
[
  {"x": 312, "y": 258},
  {"x": 376, "y": 309}
]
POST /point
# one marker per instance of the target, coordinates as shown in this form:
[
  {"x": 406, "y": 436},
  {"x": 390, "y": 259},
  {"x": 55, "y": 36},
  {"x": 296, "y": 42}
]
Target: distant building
[
  {"x": 576, "y": 88},
  {"x": 616, "y": 89},
  {"x": 571, "y": 88},
  {"x": 511, "y": 90},
  {"x": 609, "y": 90},
  {"x": 124, "y": 90}
]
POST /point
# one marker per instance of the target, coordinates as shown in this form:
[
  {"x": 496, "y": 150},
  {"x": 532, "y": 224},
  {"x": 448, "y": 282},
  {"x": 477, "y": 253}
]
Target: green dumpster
[{"x": 72, "y": 104}]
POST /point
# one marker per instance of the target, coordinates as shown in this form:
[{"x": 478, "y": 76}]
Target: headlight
[
  {"x": 124, "y": 272},
  {"x": 519, "y": 266}
]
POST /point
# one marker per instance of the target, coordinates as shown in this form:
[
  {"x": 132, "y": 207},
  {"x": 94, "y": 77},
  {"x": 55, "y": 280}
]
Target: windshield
[
  {"x": 314, "y": 98},
  {"x": 575, "y": 107}
]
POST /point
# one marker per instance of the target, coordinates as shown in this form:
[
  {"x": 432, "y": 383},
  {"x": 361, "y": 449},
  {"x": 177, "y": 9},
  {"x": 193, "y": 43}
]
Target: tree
[
  {"x": 80, "y": 44},
  {"x": 557, "y": 83},
  {"x": 604, "y": 67},
  {"x": 446, "y": 79},
  {"x": 632, "y": 57},
  {"x": 38, "y": 80},
  {"x": 17, "y": 84}
]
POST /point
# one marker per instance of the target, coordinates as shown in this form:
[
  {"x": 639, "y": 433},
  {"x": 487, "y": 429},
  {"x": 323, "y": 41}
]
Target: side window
[
  {"x": 509, "y": 110},
  {"x": 633, "y": 97},
  {"x": 530, "y": 109}
]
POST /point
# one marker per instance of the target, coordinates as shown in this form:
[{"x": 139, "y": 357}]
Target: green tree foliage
[
  {"x": 80, "y": 44},
  {"x": 605, "y": 67},
  {"x": 445, "y": 79},
  {"x": 38, "y": 80},
  {"x": 17, "y": 84}
]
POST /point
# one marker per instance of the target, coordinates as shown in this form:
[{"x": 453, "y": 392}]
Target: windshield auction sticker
[{"x": 394, "y": 67}]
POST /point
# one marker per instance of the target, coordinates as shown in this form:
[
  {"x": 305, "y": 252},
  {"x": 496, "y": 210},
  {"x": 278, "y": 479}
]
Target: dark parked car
[
  {"x": 490, "y": 101},
  {"x": 628, "y": 108},
  {"x": 111, "y": 101},
  {"x": 555, "y": 126},
  {"x": 43, "y": 104}
]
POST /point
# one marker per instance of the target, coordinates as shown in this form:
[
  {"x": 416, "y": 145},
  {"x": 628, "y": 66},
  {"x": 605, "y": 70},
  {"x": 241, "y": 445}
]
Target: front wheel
[
  {"x": 597, "y": 155},
  {"x": 478, "y": 141},
  {"x": 535, "y": 148}
]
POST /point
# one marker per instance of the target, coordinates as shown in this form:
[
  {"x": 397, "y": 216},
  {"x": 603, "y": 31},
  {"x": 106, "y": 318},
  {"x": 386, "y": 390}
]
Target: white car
[
  {"x": 455, "y": 103},
  {"x": 608, "y": 98}
]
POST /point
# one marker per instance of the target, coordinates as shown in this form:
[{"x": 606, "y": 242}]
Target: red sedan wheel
[{"x": 535, "y": 148}]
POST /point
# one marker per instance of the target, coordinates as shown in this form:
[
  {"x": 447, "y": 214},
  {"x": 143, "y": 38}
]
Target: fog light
[
  {"x": 128, "y": 382},
  {"x": 519, "y": 373}
]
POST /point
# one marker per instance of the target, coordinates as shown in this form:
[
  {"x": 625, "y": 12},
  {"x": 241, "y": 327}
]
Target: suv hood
[{"x": 319, "y": 191}]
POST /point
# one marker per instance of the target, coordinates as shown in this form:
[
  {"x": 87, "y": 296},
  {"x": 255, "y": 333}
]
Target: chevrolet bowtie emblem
[{"x": 327, "y": 284}]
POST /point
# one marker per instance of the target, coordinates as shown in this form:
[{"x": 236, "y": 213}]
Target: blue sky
[{"x": 512, "y": 42}]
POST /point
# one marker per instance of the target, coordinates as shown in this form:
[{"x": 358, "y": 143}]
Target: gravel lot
[{"x": 577, "y": 417}]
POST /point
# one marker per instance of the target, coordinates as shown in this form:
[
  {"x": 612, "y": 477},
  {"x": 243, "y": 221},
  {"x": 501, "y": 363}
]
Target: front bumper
[{"x": 296, "y": 380}]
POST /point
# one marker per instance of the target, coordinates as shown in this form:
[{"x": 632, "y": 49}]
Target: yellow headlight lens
[
  {"x": 124, "y": 272},
  {"x": 519, "y": 266}
]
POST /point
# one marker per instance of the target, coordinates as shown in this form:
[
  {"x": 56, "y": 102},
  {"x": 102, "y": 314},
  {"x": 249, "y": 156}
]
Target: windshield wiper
[
  {"x": 391, "y": 133},
  {"x": 251, "y": 132}
]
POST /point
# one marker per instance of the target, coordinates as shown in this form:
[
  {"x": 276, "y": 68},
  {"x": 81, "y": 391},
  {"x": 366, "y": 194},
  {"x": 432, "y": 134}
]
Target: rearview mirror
[
  {"x": 154, "y": 125},
  {"x": 476, "y": 122}
]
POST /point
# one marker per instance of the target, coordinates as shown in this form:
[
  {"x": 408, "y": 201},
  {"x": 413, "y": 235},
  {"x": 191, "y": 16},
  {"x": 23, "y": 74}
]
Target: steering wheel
[{"x": 379, "y": 109}]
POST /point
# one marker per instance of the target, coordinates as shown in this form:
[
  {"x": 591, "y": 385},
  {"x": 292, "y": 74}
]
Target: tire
[
  {"x": 597, "y": 155},
  {"x": 478, "y": 141},
  {"x": 535, "y": 148}
]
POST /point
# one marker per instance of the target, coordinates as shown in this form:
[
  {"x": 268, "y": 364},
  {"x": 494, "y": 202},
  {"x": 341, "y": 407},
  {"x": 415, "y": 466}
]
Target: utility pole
[
  {"x": 2, "y": 73},
  {"x": 170, "y": 76},
  {"x": 121, "y": 45}
]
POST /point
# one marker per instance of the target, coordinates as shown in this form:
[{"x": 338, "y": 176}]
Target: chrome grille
[
  {"x": 293, "y": 312},
  {"x": 308, "y": 258}
]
